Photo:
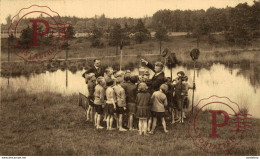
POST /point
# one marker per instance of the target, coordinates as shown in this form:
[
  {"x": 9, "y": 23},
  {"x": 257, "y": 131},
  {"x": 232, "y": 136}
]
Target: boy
[
  {"x": 110, "y": 104},
  {"x": 177, "y": 97},
  {"x": 130, "y": 91},
  {"x": 120, "y": 99},
  {"x": 159, "y": 102},
  {"x": 91, "y": 80},
  {"x": 184, "y": 94},
  {"x": 99, "y": 95}
]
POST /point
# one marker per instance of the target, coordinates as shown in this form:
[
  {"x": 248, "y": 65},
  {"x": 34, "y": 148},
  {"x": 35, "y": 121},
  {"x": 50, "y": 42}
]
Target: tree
[
  {"x": 141, "y": 33},
  {"x": 95, "y": 38},
  {"x": 26, "y": 37},
  {"x": 118, "y": 35},
  {"x": 241, "y": 25},
  {"x": 161, "y": 35}
]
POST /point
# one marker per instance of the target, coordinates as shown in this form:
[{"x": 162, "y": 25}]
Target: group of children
[{"x": 119, "y": 94}]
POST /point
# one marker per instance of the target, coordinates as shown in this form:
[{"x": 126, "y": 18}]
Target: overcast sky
[{"x": 114, "y": 8}]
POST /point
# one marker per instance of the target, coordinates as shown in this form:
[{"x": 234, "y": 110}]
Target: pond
[{"x": 238, "y": 84}]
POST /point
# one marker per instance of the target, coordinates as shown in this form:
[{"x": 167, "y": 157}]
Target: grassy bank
[
  {"x": 52, "y": 124},
  {"x": 80, "y": 48}
]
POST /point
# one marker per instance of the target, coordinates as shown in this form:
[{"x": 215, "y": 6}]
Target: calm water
[{"x": 240, "y": 85}]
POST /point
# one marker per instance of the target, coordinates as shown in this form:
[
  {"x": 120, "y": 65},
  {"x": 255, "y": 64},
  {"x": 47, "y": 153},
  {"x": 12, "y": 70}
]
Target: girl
[{"x": 143, "y": 110}]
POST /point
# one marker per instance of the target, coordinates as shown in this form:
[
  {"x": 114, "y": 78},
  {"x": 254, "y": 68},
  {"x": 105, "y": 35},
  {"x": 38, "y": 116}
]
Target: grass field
[{"x": 52, "y": 124}]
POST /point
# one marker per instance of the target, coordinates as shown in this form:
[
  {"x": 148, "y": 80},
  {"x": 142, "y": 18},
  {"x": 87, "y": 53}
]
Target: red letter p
[
  {"x": 214, "y": 121},
  {"x": 35, "y": 33}
]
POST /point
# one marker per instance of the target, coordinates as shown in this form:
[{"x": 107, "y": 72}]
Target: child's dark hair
[
  {"x": 110, "y": 83},
  {"x": 100, "y": 79},
  {"x": 127, "y": 77},
  {"x": 168, "y": 79},
  {"x": 133, "y": 79}
]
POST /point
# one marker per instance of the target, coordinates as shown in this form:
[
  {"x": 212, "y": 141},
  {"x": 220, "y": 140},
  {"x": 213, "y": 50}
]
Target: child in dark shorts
[
  {"x": 110, "y": 104},
  {"x": 99, "y": 95},
  {"x": 91, "y": 80},
  {"x": 120, "y": 99},
  {"x": 159, "y": 102},
  {"x": 143, "y": 110},
  {"x": 169, "y": 95}
]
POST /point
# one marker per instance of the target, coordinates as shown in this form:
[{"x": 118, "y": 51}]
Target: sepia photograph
[{"x": 130, "y": 78}]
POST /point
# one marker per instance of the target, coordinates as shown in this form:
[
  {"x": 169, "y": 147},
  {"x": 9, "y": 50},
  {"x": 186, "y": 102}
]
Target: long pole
[
  {"x": 121, "y": 54},
  {"x": 193, "y": 89}
]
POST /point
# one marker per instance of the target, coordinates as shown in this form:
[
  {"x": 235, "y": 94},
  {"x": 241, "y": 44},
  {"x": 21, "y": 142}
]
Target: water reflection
[{"x": 241, "y": 86}]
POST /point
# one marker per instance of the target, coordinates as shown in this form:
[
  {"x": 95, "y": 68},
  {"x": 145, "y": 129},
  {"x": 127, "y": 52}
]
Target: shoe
[
  {"x": 145, "y": 134},
  {"x": 166, "y": 131},
  {"x": 122, "y": 129},
  {"x": 140, "y": 133}
]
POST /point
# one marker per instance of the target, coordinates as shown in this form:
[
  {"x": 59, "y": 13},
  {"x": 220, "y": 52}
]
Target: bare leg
[
  {"x": 173, "y": 116},
  {"x": 140, "y": 126},
  {"x": 145, "y": 126},
  {"x": 130, "y": 122},
  {"x": 98, "y": 122},
  {"x": 108, "y": 122},
  {"x": 149, "y": 124},
  {"x": 154, "y": 124},
  {"x": 111, "y": 122},
  {"x": 164, "y": 125},
  {"x": 117, "y": 121},
  {"x": 121, "y": 123},
  {"x": 95, "y": 120}
]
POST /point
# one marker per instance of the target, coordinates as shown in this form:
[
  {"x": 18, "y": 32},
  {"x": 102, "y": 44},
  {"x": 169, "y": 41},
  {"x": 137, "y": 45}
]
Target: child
[
  {"x": 169, "y": 96},
  {"x": 143, "y": 111},
  {"x": 91, "y": 80},
  {"x": 120, "y": 99},
  {"x": 159, "y": 102},
  {"x": 184, "y": 94},
  {"x": 178, "y": 97},
  {"x": 130, "y": 90},
  {"x": 110, "y": 104},
  {"x": 99, "y": 95}
]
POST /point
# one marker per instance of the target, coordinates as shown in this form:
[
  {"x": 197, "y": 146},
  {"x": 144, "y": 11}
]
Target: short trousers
[
  {"x": 98, "y": 109},
  {"x": 186, "y": 102},
  {"x": 131, "y": 108},
  {"x": 110, "y": 109},
  {"x": 158, "y": 114},
  {"x": 91, "y": 103},
  {"x": 120, "y": 110}
]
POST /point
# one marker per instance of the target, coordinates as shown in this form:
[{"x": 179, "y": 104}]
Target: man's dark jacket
[
  {"x": 98, "y": 72},
  {"x": 156, "y": 81}
]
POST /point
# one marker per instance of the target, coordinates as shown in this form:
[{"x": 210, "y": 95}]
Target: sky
[{"x": 113, "y": 8}]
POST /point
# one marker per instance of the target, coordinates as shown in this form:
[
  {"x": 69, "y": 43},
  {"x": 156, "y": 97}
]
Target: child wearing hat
[
  {"x": 120, "y": 99},
  {"x": 159, "y": 102},
  {"x": 177, "y": 97},
  {"x": 91, "y": 80},
  {"x": 99, "y": 95},
  {"x": 110, "y": 104},
  {"x": 143, "y": 110}
]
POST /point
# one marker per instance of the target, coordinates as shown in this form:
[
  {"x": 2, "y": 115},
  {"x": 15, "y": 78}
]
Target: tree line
[{"x": 240, "y": 25}]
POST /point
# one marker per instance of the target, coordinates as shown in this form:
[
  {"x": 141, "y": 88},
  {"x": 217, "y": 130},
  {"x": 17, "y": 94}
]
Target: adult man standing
[
  {"x": 159, "y": 76},
  {"x": 96, "y": 69}
]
